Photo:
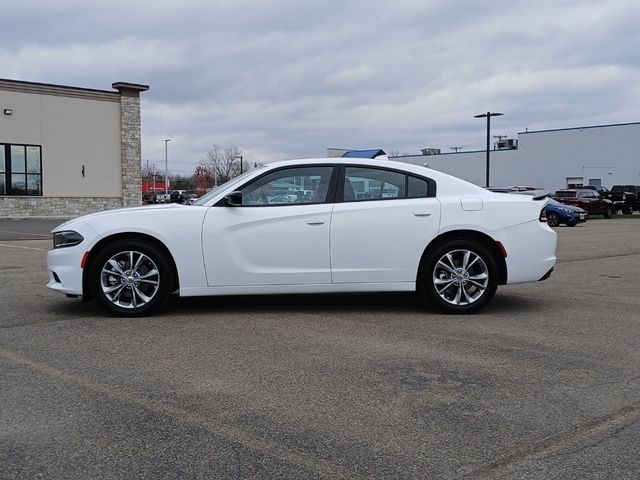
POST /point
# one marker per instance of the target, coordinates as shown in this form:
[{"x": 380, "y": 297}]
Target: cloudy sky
[{"x": 285, "y": 78}]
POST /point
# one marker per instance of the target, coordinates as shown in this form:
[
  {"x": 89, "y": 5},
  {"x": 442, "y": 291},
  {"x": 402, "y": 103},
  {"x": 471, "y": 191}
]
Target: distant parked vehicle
[
  {"x": 163, "y": 197},
  {"x": 624, "y": 197},
  {"x": 588, "y": 200},
  {"x": 149, "y": 198},
  {"x": 559, "y": 213},
  {"x": 178, "y": 196}
]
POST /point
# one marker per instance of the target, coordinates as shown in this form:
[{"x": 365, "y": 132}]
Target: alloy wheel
[
  {"x": 130, "y": 279},
  {"x": 460, "y": 277}
]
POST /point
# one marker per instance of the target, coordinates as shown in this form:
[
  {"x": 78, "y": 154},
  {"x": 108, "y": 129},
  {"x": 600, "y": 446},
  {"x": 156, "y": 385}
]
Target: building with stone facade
[{"x": 67, "y": 151}]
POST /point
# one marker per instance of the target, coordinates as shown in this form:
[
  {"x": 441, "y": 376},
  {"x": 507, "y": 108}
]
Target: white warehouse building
[{"x": 601, "y": 155}]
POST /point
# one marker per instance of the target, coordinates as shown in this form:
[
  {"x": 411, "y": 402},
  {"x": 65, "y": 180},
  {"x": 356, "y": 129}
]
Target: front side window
[
  {"x": 361, "y": 183},
  {"x": 20, "y": 170},
  {"x": 289, "y": 186}
]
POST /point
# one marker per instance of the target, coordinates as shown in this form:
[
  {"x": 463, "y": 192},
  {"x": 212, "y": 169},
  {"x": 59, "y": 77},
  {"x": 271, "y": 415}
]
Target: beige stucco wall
[{"x": 72, "y": 132}]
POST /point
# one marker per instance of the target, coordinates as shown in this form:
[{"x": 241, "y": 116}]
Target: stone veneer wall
[
  {"x": 55, "y": 206},
  {"x": 131, "y": 150}
]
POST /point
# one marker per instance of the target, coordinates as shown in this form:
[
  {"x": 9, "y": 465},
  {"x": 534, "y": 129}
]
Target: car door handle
[
  {"x": 422, "y": 213},
  {"x": 314, "y": 221}
]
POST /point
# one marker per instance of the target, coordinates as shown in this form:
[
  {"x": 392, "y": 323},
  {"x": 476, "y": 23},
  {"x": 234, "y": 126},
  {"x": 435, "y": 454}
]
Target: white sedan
[{"x": 361, "y": 226}]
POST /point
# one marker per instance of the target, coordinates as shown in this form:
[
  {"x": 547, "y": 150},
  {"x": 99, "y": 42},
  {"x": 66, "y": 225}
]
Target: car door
[
  {"x": 382, "y": 221},
  {"x": 277, "y": 236}
]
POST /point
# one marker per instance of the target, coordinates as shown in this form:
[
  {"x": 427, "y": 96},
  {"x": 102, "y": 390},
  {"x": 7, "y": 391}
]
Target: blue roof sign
[{"x": 364, "y": 153}]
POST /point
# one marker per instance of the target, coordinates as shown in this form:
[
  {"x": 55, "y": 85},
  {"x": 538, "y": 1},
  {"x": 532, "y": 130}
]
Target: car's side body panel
[
  {"x": 383, "y": 240},
  {"x": 287, "y": 244}
]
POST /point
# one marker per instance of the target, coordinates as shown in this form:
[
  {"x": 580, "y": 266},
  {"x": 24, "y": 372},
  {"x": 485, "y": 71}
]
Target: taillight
[{"x": 543, "y": 215}]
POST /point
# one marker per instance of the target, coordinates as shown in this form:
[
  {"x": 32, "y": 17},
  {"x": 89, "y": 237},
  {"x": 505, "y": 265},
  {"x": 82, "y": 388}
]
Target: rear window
[
  {"x": 623, "y": 188},
  {"x": 565, "y": 194}
]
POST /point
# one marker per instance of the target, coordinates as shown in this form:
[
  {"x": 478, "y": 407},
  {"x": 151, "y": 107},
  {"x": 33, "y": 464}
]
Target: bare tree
[{"x": 224, "y": 165}]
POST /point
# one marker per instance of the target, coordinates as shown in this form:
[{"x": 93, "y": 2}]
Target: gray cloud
[{"x": 290, "y": 78}]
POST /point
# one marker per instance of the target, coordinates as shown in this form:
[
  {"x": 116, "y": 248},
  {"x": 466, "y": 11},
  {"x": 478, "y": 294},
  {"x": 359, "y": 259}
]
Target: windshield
[{"x": 234, "y": 181}]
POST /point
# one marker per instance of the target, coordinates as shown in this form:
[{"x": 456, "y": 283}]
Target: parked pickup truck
[{"x": 624, "y": 197}]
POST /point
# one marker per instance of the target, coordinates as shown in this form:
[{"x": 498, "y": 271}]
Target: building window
[{"x": 20, "y": 169}]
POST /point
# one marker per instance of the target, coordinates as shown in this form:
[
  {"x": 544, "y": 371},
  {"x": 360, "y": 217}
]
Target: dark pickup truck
[{"x": 624, "y": 197}]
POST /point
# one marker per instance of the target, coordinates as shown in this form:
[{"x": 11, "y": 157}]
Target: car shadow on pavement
[
  {"x": 362, "y": 303},
  {"x": 330, "y": 303}
]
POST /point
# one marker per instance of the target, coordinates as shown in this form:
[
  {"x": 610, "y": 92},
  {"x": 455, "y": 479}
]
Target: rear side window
[
  {"x": 363, "y": 183},
  {"x": 417, "y": 188}
]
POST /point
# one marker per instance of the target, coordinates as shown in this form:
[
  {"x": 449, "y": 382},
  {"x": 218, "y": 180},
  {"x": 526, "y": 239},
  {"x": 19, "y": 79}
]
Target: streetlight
[
  {"x": 240, "y": 157},
  {"x": 488, "y": 115},
  {"x": 166, "y": 166}
]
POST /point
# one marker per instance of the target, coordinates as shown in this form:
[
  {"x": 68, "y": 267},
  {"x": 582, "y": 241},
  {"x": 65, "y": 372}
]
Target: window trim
[
  {"x": 8, "y": 170},
  {"x": 342, "y": 175},
  {"x": 331, "y": 192}
]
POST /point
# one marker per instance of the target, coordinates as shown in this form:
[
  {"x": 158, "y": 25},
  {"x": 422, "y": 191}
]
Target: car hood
[
  {"x": 573, "y": 208},
  {"x": 119, "y": 211}
]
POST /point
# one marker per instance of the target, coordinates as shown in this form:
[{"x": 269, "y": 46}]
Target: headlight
[
  {"x": 68, "y": 238},
  {"x": 566, "y": 210}
]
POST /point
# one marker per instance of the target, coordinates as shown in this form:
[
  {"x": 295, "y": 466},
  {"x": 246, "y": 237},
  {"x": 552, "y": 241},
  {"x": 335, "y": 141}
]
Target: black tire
[
  {"x": 445, "y": 299},
  {"x": 553, "y": 220},
  {"x": 147, "y": 258},
  {"x": 608, "y": 213},
  {"x": 627, "y": 210}
]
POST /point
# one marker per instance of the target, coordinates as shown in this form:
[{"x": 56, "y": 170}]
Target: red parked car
[{"x": 589, "y": 200}]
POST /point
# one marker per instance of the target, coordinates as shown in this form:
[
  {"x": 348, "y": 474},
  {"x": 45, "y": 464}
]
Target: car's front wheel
[
  {"x": 459, "y": 276},
  {"x": 131, "y": 278}
]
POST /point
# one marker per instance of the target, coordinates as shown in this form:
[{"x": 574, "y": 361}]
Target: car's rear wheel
[
  {"x": 131, "y": 278},
  {"x": 627, "y": 210},
  {"x": 459, "y": 277},
  {"x": 553, "y": 219}
]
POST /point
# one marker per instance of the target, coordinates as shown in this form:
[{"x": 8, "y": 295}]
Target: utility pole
[
  {"x": 488, "y": 116},
  {"x": 166, "y": 166},
  {"x": 456, "y": 148}
]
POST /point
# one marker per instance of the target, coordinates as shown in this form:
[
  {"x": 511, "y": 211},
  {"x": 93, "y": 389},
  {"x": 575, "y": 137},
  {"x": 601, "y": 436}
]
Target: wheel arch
[
  {"x": 482, "y": 238},
  {"x": 86, "y": 291}
]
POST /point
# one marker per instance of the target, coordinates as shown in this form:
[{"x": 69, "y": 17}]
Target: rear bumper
[
  {"x": 546, "y": 275},
  {"x": 531, "y": 250}
]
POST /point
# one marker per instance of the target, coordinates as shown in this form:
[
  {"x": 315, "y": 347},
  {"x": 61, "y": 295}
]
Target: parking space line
[
  {"x": 232, "y": 434},
  {"x": 24, "y": 248},
  {"x": 587, "y": 434},
  {"x": 26, "y": 233}
]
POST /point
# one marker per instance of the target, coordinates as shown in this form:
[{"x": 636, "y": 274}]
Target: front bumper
[
  {"x": 64, "y": 265},
  {"x": 65, "y": 272}
]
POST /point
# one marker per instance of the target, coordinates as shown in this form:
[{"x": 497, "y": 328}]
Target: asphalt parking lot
[{"x": 544, "y": 383}]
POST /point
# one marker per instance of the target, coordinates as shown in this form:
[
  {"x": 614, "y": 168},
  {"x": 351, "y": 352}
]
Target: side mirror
[{"x": 234, "y": 199}]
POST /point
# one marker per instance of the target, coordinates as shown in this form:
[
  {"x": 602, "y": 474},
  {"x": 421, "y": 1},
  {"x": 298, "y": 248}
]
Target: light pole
[
  {"x": 488, "y": 115},
  {"x": 166, "y": 166},
  {"x": 240, "y": 157}
]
